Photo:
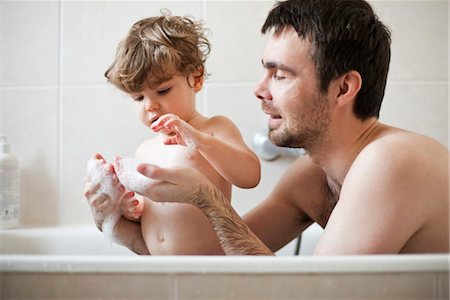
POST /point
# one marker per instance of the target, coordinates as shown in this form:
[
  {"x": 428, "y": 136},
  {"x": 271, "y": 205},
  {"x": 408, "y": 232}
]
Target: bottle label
[{"x": 9, "y": 195}]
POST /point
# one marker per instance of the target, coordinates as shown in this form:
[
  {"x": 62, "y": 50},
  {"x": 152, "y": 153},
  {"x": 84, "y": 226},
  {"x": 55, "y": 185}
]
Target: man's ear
[
  {"x": 348, "y": 86},
  {"x": 199, "y": 78}
]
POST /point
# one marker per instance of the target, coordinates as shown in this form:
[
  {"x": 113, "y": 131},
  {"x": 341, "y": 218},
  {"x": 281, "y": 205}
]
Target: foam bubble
[
  {"x": 100, "y": 174},
  {"x": 130, "y": 178},
  {"x": 108, "y": 227}
]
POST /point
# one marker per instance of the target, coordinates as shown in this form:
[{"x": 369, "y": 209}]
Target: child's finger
[
  {"x": 100, "y": 157},
  {"x": 136, "y": 214},
  {"x": 128, "y": 199},
  {"x": 132, "y": 205},
  {"x": 171, "y": 141},
  {"x": 90, "y": 189}
]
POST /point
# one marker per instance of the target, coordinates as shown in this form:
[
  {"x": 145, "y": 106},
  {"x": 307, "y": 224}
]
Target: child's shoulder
[
  {"x": 218, "y": 120},
  {"x": 220, "y": 126},
  {"x": 218, "y": 123}
]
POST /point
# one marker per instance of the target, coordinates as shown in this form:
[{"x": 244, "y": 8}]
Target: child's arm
[{"x": 222, "y": 146}]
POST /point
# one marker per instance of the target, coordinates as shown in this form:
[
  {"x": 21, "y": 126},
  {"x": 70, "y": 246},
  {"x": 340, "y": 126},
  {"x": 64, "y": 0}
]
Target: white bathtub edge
[{"x": 225, "y": 264}]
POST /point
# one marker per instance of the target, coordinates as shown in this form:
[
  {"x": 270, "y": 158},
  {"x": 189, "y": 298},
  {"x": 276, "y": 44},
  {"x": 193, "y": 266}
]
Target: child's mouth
[{"x": 154, "y": 120}]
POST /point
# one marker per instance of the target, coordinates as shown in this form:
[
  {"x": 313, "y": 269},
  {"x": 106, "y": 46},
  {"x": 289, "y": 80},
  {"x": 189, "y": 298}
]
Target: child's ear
[{"x": 199, "y": 78}]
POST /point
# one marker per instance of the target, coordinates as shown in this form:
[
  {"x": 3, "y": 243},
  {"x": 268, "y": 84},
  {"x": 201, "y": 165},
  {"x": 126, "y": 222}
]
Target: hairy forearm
[
  {"x": 234, "y": 235},
  {"x": 128, "y": 233}
]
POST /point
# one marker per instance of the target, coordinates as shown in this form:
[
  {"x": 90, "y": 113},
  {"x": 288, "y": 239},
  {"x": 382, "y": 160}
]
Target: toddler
[{"x": 161, "y": 65}]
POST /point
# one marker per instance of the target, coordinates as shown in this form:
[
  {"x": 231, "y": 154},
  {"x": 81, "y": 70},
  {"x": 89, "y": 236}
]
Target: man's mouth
[
  {"x": 272, "y": 115},
  {"x": 268, "y": 111}
]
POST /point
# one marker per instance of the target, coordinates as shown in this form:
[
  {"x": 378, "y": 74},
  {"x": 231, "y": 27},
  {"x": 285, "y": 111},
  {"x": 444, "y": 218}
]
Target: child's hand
[
  {"x": 103, "y": 190},
  {"x": 180, "y": 132},
  {"x": 132, "y": 208},
  {"x": 100, "y": 173}
]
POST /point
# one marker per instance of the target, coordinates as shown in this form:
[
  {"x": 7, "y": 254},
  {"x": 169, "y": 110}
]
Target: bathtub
[{"x": 78, "y": 263}]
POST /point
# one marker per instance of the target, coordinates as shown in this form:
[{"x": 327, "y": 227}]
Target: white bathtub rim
[{"x": 225, "y": 264}]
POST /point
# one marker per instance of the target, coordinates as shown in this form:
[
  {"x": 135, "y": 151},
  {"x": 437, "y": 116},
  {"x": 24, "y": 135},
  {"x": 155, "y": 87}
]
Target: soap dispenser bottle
[{"x": 9, "y": 186}]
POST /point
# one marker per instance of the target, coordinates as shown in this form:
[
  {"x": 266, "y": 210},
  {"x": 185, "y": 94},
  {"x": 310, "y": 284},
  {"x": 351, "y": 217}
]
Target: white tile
[
  {"x": 237, "y": 43},
  {"x": 421, "y": 108},
  {"x": 86, "y": 286},
  {"x": 93, "y": 29},
  {"x": 95, "y": 120},
  {"x": 304, "y": 286},
  {"x": 443, "y": 286},
  {"x": 238, "y": 103},
  {"x": 31, "y": 123},
  {"x": 30, "y": 35},
  {"x": 419, "y": 38}
]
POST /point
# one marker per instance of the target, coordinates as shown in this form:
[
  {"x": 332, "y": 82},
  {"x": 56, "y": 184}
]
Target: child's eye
[
  {"x": 138, "y": 98},
  {"x": 163, "y": 91}
]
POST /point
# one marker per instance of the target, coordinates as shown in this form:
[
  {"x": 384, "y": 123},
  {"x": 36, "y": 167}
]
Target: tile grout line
[
  {"x": 205, "y": 86},
  {"x": 211, "y": 84},
  {"x": 174, "y": 286},
  {"x": 2, "y": 104},
  {"x": 60, "y": 111}
]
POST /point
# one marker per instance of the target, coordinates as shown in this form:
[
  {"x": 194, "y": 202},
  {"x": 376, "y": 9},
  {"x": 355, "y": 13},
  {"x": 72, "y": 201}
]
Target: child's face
[{"x": 175, "y": 96}]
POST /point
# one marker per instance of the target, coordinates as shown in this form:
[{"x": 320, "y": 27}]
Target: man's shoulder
[
  {"x": 396, "y": 188},
  {"x": 399, "y": 156},
  {"x": 399, "y": 147}
]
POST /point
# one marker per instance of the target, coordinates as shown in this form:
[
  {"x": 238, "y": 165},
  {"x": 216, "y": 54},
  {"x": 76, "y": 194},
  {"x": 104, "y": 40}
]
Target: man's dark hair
[{"x": 345, "y": 35}]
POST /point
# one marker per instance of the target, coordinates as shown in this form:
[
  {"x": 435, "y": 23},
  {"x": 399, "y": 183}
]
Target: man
[{"x": 374, "y": 188}]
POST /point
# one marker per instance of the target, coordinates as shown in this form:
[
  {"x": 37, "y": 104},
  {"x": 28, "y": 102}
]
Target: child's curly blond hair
[{"x": 157, "y": 48}]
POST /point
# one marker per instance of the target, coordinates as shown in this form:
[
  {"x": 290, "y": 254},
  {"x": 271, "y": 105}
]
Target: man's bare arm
[
  {"x": 128, "y": 233},
  {"x": 188, "y": 185},
  {"x": 292, "y": 206},
  {"x": 234, "y": 235}
]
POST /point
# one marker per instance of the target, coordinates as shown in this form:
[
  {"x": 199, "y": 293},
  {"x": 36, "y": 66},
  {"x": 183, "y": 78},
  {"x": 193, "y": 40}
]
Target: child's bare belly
[{"x": 177, "y": 229}]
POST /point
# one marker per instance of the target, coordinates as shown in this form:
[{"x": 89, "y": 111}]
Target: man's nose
[{"x": 261, "y": 91}]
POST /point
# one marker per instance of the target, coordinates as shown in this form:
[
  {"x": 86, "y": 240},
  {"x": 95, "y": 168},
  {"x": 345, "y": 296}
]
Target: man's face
[{"x": 289, "y": 94}]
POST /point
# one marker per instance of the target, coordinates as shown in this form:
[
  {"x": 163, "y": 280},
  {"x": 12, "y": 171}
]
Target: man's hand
[{"x": 185, "y": 185}]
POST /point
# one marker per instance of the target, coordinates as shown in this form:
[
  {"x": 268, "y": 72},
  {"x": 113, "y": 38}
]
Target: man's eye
[
  {"x": 278, "y": 77},
  {"x": 164, "y": 91}
]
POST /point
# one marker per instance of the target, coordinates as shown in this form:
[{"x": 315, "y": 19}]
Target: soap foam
[
  {"x": 100, "y": 173},
  {"x": 130, "y": 178},
  {"x": 108, "y": 227}
]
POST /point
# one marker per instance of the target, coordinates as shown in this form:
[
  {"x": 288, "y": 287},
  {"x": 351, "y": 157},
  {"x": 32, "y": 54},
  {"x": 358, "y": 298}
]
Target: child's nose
[{"x": 151, "y": 105}]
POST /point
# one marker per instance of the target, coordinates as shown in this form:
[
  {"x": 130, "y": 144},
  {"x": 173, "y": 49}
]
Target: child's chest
[{"x": 155, "y": 152}]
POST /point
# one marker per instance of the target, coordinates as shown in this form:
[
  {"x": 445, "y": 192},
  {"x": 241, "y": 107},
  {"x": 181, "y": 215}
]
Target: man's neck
[{"x": 338, "y": 154}]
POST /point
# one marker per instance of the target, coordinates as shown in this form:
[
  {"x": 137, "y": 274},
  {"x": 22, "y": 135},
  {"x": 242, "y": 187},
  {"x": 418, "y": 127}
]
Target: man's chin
[
  {"x": 282, "y": 140},
  {"x": 275, "y": 138}
]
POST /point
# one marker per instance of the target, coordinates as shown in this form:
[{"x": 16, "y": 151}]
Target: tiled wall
[
  {"x": 386, "y": 286},
  {"x": 57, "y": 109}
]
